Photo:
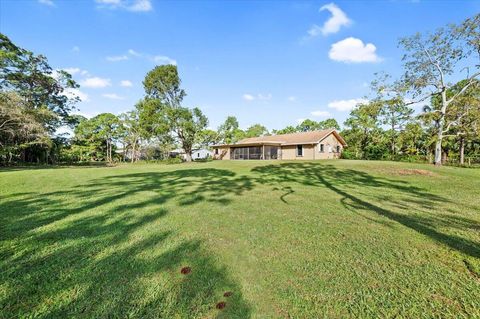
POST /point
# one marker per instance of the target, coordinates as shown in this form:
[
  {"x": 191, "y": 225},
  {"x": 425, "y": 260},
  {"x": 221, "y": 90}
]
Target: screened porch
[{"x": 261, "y": 152}]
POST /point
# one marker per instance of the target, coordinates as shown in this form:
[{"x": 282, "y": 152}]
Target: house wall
[
  {"x": 223, "y": 153},
  {"x": 201, "y": 154},
  {"x": 289, "y": 152},
  {"x": 330, "y": 141}
]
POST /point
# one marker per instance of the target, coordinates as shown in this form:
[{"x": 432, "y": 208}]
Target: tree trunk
[
  {"x": 188, "y": 156},
  {"x": 134, "y": 147},
  {"x": 462, "y": 150},
  {"x": 441, "y": 122}
]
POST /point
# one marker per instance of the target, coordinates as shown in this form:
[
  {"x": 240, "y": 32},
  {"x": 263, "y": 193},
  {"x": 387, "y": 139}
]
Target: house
[
  {"x": 312, "y": 145},
  {"x": 201, "y": 154},
  {"x": 197, "y": 154}
]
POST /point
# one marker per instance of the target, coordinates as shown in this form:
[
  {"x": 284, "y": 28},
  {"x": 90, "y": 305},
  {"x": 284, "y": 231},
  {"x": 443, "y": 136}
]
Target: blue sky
[{"x": 268, "y": 62}]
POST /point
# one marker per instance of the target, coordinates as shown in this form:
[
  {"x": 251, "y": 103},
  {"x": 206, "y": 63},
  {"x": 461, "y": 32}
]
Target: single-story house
[
  {"x": 197, "y": 154},
  {"x": 201, "y": 154},
  {"x": 312, "y": 145}
]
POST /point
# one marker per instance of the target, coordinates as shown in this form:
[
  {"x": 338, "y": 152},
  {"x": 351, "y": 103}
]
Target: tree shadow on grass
[
  {"x": 351, "y": 186},
  {"x": 86, "y": 252}
]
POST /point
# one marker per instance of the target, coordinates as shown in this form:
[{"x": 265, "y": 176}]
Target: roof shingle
[{"x": 311, "y": 137}]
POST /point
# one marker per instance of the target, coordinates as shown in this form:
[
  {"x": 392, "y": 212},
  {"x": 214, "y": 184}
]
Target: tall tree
[
  {"x": 229, "y": 130},
  {"x": 328, "y": 123},
  {"x": 308, "y": 125},
  {"x": 362, "y": 125},
  {"x": 164, "y": 106},
  {"x": 19, "y": 129},
  {"x": 256, "y": 130},
  {"x": 463, "y": 116},
  {"x": 32, "y": 78},
  {"x": 100, "y": 134},
  {"x": 131, "y": 132},
  {"x": 431, "y": 59},
  {"x": 394, "y": 111}
]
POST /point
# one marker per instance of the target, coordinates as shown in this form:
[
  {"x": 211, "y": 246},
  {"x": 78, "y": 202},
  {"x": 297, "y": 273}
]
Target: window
[
  {"x": 198, "y": 154},
  {"x": 338, "y": 148},
  {"x": 322, "y": 148},
  {"x": 299, "y": 150},
  {"x": 216, "y": 151}
]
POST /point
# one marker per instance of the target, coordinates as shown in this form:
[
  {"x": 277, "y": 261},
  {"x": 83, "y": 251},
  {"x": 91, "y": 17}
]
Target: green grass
[{"x": 330, "y": 239}]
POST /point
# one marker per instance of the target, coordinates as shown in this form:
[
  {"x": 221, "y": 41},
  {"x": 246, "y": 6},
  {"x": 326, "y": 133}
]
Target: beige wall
[
  {"x": 290, "y": 152},
  {"x": 223, "y": 153},
  {"x": 329, "y": 141}
]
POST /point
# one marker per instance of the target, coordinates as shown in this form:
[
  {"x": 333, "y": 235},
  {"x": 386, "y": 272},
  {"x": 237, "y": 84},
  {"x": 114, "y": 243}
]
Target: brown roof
[{"x": 312, "y": 137}]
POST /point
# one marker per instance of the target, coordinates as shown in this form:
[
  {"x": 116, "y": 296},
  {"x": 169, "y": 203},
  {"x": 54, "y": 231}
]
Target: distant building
[{"x": 197, "y": 154}]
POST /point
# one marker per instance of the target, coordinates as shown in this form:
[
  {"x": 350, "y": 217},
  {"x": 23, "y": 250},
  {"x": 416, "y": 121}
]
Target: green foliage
[
  {"x": 229, "y": 131},
  {"x": 256, "y": 130},
  {"x": 163, "y": 114}
]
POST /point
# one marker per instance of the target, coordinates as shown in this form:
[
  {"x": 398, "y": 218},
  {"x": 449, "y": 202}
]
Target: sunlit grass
[{"x": 286, "y": 239}]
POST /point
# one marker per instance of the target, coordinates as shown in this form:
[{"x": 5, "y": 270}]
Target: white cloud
[
  {"x": 72, "y": 71},
  {"x": 72, "y": 93},
  {"x": 161, "y": 59},
  {"x": 96, "y": 82},
  {"x": 333, "y": 24},
  {"x": 75, "y": 71},
  {"x": 75, "y": 49},
  {"x": 264, "y": 97},
  {"x": 129, "y": 5},
  {"x": 140, "y": 6},
  {"x": 113, "y": 96},
  {"x": 352, "y": 50},
  {"x": 260, "y": 97},
  {"x": 292, "y": 99},
  {"x": 47, "y": 2},
  {"x": 134, "y": 53},
  {"x": 248, "y": 97},
  {"x": 345, "y": 105},
  {"x": 126, "y": 83},
  {"x": 88, "y": 115},
  {"x": 117, "y": 58},
  {"x": 320, "y": 113}
]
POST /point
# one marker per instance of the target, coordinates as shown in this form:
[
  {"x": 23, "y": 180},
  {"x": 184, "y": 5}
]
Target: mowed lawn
[{"x": 329, "y": 239}]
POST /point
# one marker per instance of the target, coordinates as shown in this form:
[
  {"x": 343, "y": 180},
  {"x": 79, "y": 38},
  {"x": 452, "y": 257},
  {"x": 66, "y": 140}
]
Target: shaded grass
[{"x": 287, "y": 239}]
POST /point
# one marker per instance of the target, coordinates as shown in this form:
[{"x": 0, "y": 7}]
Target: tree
[
  {"x": 32, "y": 78},
  {"x": 256, "y": 130},
  {"x": 287, "y": 130},
  {"x": 163, "y": 108},
  {"x": 308, "y": 125},
  {"x": 394, "y": 112},
  {"x": 431, "y": 59},
  {"x": 19, "y": 129},
  {"x": 99, "y": 134},
  {"x": 362, "y": 126},
  {"x": 328, "y": 124},
  {"x": 131, "y": 132},
  {"x": 208, "y": 137},
  {"x": 229, "y": 131},
  {"x": 463, "y": 116},
  {"x": 187, "y": 125}
]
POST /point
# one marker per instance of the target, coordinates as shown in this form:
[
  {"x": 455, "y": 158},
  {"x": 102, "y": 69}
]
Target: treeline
[{"x": 430, "y": 113}]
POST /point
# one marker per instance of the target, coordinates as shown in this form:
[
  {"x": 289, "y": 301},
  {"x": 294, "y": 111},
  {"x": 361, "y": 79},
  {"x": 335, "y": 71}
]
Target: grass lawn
[{"x": 330, "y": 239}]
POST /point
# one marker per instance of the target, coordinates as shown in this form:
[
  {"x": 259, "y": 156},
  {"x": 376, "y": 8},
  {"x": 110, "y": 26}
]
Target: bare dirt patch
[{"x": 408, "y": 172}]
